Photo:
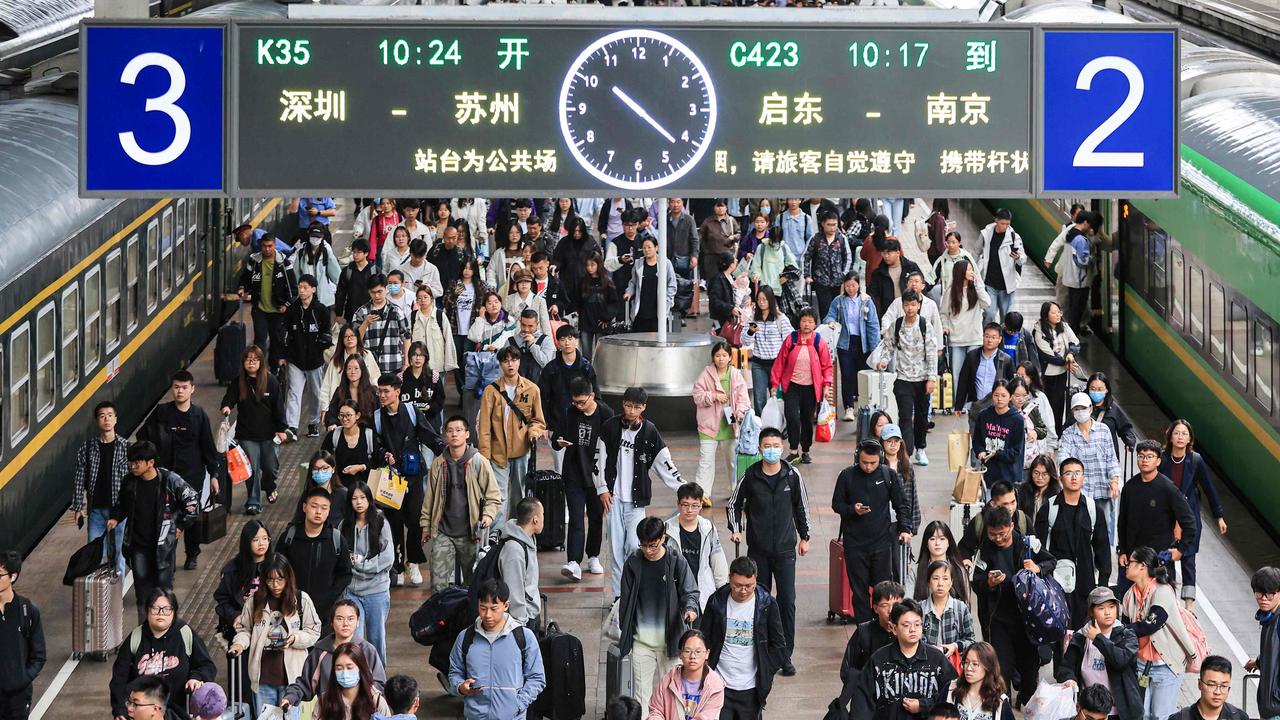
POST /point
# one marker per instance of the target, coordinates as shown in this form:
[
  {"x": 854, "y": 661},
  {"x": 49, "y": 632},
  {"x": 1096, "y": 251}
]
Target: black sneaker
[
  {"x": 291, "y": 435},
  {"x": 805, "y": 459},
  {"x": 313, "y": 430},
  {"x": 190, "y": 564},
  {"x": 788, "y": 670},
  {"x": 252, "y": 510},
  {"x": 793, "y": 458}
]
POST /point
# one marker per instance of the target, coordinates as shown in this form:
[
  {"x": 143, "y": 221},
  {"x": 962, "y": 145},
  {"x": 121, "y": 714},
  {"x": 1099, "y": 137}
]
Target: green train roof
[{"x": 1231, "y": 139}]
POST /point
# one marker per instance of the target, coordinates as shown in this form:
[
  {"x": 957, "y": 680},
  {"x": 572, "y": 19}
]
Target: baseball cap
[
  {"x": 890, "y": 431},
  {"x": 1102, "y": 595},
  {"x": 1081, "y": 400}
]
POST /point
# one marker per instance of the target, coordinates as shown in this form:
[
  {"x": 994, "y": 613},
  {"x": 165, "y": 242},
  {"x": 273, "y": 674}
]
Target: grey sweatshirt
[{"x": 369, "y": 575}]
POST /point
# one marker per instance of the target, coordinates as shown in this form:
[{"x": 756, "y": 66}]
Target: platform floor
[{"x": 68, "y": 688}]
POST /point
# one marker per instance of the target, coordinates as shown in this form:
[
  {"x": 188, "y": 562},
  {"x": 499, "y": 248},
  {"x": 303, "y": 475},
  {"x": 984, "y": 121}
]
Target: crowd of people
[{"x": 510, "y": 297}]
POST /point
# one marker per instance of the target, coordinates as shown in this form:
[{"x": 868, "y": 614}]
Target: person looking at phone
[
  {"x": 864, "y": 494},
  {"x": 383, "y": 328},
  {"x": 583, "y": 473},
  {"x": 1104, "y": 652},
  {"x": 496, "y": 665}
]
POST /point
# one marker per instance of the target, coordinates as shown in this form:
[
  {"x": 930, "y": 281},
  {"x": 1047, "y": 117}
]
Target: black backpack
[
  {"x": 441, "y": 617},
  {"x": 487, "y": 567}
]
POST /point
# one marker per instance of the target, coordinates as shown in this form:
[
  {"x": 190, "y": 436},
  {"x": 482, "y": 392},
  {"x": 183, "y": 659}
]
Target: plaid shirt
[
  {"x": 386, "y": 337},
  {"x": 87, "y": 471},
  {"x": 955, "y": 625},
  {"x": 1098, "y": 454}
]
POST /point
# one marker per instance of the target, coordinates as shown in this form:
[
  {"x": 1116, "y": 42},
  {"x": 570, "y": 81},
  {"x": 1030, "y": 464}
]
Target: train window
[
  {"x": 153, "y": 266},
  {"x": 1195, "y": 295},
  {"x": 133, "y": 299},
  {"x": 46, "y": 378},
  {"x": 112, "y": 323},
  {"x": 1157, "y": 243},
  {"x": 19, "y": 383},
  {"x": 1262, "y": 369},
  {"x": 193, "y": 250},
  {"x": 1177, "y": 289},
  {"x": 1217, "y": 323},
  {"x": 166, "y": 253},
  {"x": 1240, "y": 349},
  {"x": 70, "y": 338},
  {"x": 180, "y": 241},
  {"x": 92, "y": 317}
]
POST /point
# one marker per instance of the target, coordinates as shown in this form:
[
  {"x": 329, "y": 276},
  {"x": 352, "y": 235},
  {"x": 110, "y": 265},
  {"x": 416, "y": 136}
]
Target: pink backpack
[{"x": 1200, "y": 644}]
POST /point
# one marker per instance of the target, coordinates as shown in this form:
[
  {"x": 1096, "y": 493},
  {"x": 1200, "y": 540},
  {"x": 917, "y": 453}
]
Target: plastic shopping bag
[
  {"x": 1051, "y": 702},
  {"x": 826, "y": 427},
  {"x": 238, "y": 465},
  {"x": 774, "y": 414},
  {"x": 612, "y": 629}
]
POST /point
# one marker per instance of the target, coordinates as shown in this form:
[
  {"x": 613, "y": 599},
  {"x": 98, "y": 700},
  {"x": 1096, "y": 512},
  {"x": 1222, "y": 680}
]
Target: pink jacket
[
  {"x": 705, "y": 396},
  {"x": 819, "y": 362},
  {"x": 666, "y": 703}
]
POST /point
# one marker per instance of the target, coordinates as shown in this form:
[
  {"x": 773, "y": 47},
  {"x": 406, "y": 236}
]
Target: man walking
[
  {"x": 403, "y": 432},
  {"x": 496, "y": 665},
  {"x": 462, "y": 500},
  {"x": 868, "y": 497},
  {"x": 583, "y": 473},
  {"x": 22, "y": 653},
  {"x": 509, "y": 425},
  {"x": 101, "y": 465},
  {"x": 267, "y": 281},
  {"x": 518, "y": 561},
  {"x": 1151, "y": 508},
  {"x": 743, "y": 625}
]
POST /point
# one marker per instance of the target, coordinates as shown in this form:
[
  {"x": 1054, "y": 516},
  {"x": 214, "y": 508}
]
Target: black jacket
[
  {"x": 394, "y": 442},
  {"x": 891, "y": 677},
  {"x": 163, "y": 656},
  {"x": 31, "y": 654},
  {"x": 1120, "y": 653},
  {"x": 230, "y": 596},
  {"x": 602, "y": 222},
  {"x": 880, "y": 284},
  {"x": 161, "y": 428},
  {"x": 322, "y": 565},
  {"x": 178, "y": 506},
  {"x": 881, "y": 491},
  {"x": 570, "y": 260},
  {"x": 553, "y": 386},
  {"x": 353, "y": 289},
  {"x": 1148, "y": 512},
  {"x": 1229, "y": 712},
  {"x": 1001, "y": 601},
  {"x": 257, "y": 418},
  {"x": 1269, "y": 668},
  {"x": 284, "y": 288},
  {"x": 768, "y": 640},
  {"x": 598, "y": 304},
  {"x": 975, "y": 532},
  {"x": 966, "y": 384},
  {"x": 1090, "y": 547},
  {"x": 720, "y": 297},
  {"x": 681, "y": 597},
  {"x": 426, "y": 391},
  {"x": 868, "y": 637},
  {"x": 650, "y": 450},
  {"x": 306, "y": 334},
  {"x": 778, "y": 510},
  {"x": 1118, "y": 422}
]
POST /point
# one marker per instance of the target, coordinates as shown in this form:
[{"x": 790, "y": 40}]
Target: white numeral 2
[
  {"x": 164, "y": 104},
  {"x": 1087, "y": 154}
]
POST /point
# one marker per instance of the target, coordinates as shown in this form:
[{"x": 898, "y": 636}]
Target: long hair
[
  {"x": 339, "y": 353},
  {"x": 901, "y": 462},
  {"x": 1168, "y": 435},
  {"x": 880, "y": 232},
  {"x": 246, "y": 568},
  {"x": 959, "y": 586},
  {"x": 942, "y": 207},
  {"x": 992, "y": 689},
  {"x": 559, "y": 219},
  {"x": 373, "y": 516},
  {"x": 602, "y": 275},
  {"x": 771, "y": 303},
  {"x": 260, "y": 381},
  {"x": 961, "y": 288},
  {"x": 1055, "y": 485},
  {"x": 1034, "y": 382},
  {"x": 1106, "y": 383},
  {"x": 1156, "y": 568},
  {"x": 330, "y": 705},
  {"x": 1049, "y": 329},
  {"x": 276, "y": 564},
  {"x": 366, "y": 393},
  {"x": 573, "y": 225}
]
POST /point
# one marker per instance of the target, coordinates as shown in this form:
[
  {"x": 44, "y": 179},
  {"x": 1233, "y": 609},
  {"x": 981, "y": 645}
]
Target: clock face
[{"x": 637, "y": 109}]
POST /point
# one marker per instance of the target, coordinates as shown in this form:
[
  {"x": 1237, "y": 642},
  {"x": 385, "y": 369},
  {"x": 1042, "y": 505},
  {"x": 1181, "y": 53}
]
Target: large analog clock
[{"x": 637, "y": 109}]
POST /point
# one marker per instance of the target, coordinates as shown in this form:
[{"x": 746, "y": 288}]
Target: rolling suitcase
[
  {"x": 565, "y": 696},
  {"x": 902, "y": 570},
  {"x": 944, "y": 391},
  {"x": 961, "y": 515},
  {"x": 548, "y": 487},
  {"x": 839, "y": 596},
  {"x": 619, "y": 680},
  {"x": 228, "y": 351},
  {"x": 238, "y": 701},
  {"x": 874, "y": 393},
  {"x": 97, "y": 612}
]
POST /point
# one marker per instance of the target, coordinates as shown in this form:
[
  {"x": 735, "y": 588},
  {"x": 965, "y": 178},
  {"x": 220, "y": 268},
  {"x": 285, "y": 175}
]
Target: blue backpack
[
  {"x": 749, "y": 434},
  {"x": 481, "y": 369},
  {"x": 1045, "y": 614}
]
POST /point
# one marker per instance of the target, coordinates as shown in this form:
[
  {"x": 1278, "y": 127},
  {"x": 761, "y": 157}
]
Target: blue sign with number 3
[
  {"x": 1110, "y": 111},
  {"x": 153, "y": 111}
]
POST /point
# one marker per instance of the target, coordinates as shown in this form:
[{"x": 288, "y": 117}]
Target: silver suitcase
[
  {"x": 97, "y": 613},
  {"x": 621, "y": 680}
]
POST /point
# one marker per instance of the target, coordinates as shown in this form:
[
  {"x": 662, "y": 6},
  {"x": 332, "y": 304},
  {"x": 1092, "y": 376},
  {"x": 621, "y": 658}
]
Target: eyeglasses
[
  {"x": 653, "y": 546},
  {"x": 1216, "y": 687},
  {"x": 346, "y": 416},
  {"x": 1072, "y": 473},
  {"x": 972, "y": 664},
  {"x": 580, "y": 403},
  {"x": 276, "y": 580},
  {"x": 161, "y": 610},
  {"x": 693, "y": 652},
  {"x": 131, "y": 705},
  {"x": 1148, "y": 456},
  {"x": 1266, "y": 595},
  {"x": 691, "y": 506}
]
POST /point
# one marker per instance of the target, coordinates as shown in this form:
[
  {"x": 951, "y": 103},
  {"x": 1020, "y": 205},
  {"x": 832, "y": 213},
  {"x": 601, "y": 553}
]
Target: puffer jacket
[{"x": 710, "y": 411}]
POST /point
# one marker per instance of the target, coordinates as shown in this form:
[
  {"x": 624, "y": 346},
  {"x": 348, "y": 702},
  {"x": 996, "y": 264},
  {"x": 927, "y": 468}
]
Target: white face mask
[{"x": 1082, "y": 416}]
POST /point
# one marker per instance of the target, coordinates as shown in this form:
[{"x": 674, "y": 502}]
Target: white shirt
[
  {"x": 626, "y": 465},
  {"x": 738, "y": 657}
]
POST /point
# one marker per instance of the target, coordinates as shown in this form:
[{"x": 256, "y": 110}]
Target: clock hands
[{"x": 635, "y": 107}]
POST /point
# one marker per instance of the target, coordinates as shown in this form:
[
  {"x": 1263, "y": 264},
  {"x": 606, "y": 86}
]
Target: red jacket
[{"x": 819, "y": 362}]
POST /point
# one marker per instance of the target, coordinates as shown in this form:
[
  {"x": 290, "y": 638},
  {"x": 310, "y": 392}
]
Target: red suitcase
[{"x": 840, "y": 597}]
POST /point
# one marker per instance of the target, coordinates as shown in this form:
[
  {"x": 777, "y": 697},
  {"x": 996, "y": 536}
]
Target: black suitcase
[
  {"x": 683, "y": 301},
  {"x": 548, "y": 487},
  {"x": 211, "y": 524},
  {"x": 228, "y": 352},
  {"x": 565, "y": 696}
]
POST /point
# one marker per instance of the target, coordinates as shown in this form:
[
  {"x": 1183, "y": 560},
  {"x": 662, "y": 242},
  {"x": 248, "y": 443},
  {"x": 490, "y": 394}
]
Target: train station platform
[{"x": 71, "y": 688}]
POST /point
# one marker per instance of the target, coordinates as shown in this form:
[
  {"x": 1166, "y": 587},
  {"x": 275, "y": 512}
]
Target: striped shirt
[
  {"x": 955, "y": 625},
  {"x": 1098, "y": 454},
  {"x": 386, "y": 337},
  {"x": 767, "y": 340}
]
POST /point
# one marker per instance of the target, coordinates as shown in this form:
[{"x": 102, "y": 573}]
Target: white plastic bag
[
  {"x": 226, "y": 434},
  {"x": 1051, "y": 702},
  {"x": 612, "y": 630},
  {"x": 774, "y": 415}
]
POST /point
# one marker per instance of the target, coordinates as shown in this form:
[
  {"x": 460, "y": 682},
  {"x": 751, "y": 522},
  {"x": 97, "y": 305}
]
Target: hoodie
[
  {"x": 891, "y": 677},
  {"x": 679, "y": 594},
  {"x": 165, "y": 656},
  {"x": 518, "y": 568},
  {"x": 314, "y": 678},
  {"x": 513, "y": 678},
  {"x": 668, "y": 703}
]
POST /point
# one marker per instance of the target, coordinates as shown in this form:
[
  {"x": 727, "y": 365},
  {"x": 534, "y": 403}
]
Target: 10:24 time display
[
  {"x": 868, "y": 54},
  {"x": 402, "y": 52}
]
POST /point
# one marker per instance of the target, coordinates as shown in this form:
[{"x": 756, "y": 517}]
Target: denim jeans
[
  {"x": 264, "y": 457},
  {"x": 374, "y": 609},
  {"x": 273, "y": 695},
  {"x": 957, "y": 353},
  {"x": 97, "y": 525},
  {"x": 623, "y": 518},
  {"x": 1001, "y": 303},
  {"x": 300, "y": 380},
  {"x": 760, "y": 370},
  {"x": 510, "y": 479},
  {"x": 1160, "y": 697},
  {"x": 852, "y": 361}
]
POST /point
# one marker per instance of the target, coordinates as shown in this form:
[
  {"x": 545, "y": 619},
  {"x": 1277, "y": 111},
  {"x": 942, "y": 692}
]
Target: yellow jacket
[{"x": 499, "y": 434}]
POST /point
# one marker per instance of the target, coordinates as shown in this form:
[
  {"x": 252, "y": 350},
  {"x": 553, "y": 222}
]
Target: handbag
[
  {"x": 238, "y": 466},
  {"x": 774, "y": 414},
  {"x": 210, "y": 524},
  {"x": 389, "y": 487},
  {"x": 825, "y": 430},
  {"x": 731, "y": 331},
  {"x": 957, "y": 450},
  {"x": 968, "y": 487}
]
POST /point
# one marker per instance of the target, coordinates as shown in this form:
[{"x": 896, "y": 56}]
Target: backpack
[
  {"x": 292, "y": 531},
  {"x": 135, "y": 639},
  {"x": 749, "y": 434},
  {"x": 1199, "y": 649},
  {"x": 480, "y": 368},
  {"x": 1053, "y": 516},
  {"x": 897, "y": 329},
  {"x": 336, "y": 435},
  {"x": 487, "y": 566},
  {"x": 440, "y": 617},
  {"x": 410, "y": 459},
  {"x": 1043, "y": 605},
  {"x": 469, "y": 636}
]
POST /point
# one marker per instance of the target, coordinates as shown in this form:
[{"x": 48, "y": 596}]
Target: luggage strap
[
  {"x": 135, "y": 639},
  {"x": 469, "y": 636}
]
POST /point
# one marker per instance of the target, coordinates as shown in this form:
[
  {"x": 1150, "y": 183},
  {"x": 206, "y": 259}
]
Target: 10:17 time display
[
  {"x": 873, "y": 55},
  {"x": 402, "y": 52}
]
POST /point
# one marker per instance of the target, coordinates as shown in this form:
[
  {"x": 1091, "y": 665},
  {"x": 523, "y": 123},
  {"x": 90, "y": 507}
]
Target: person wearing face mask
[
  {"x": 318, "y": 261},
  {"x": 351, "y": 694},
  {"x": 321, "y": 473},
  {"x": 1106, "y": 410},
  {"x": 317, "y": 673},
  {"x": 398, "y": 294},
  {"x": 771, "y": 255},
  {"x": 1091, "y": 443}
]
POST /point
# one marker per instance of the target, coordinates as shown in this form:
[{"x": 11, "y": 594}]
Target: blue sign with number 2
[
  {"x": 153, "y": 108},
  {"x": 1110, "y": 111}
]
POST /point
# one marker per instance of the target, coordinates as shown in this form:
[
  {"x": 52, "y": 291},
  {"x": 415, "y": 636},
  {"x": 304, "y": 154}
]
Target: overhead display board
[{"x": 543, "y": 105}]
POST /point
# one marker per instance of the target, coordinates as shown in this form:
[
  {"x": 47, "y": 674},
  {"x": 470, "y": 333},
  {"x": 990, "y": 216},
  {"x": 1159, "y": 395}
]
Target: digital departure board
[{"x": 564, "y": 108}]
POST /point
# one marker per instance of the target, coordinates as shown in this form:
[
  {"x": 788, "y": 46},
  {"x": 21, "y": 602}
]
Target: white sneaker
[
  {"x": 414, "y": 574},
  {"x": 921, "y": 459},
  {"x": 594, "y": 567},
  {"x": 848, "y": 414},
  {"x": 572, "y": 571}
]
